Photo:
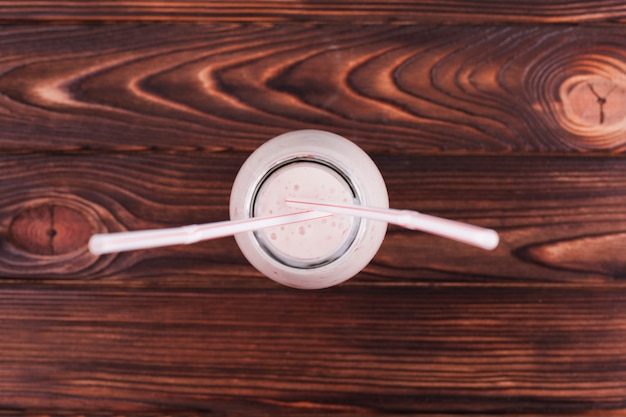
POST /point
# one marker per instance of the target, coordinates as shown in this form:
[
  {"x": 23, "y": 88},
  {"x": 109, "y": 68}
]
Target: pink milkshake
[
  {"x": 311, "y": 243},
  {"x": 317, "y": 165}
]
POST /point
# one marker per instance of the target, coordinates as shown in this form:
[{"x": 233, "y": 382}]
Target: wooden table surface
[{"x": 131, "y": 115}]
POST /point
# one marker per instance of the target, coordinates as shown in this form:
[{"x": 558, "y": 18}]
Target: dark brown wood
[
  {"x": 133, "y": 115},
  {"x": 560, "y": 219},
  {"x": 108, "y": 413},
  {"x": 483, "y": 348},
  {"x": 429, "y": 326},
  {"x": 292, "y": 11},
  {"x": 392, "y": 89}
]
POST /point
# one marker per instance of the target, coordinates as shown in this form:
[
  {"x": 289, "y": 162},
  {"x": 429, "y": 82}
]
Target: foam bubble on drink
[{"x": 312, "y": 242}]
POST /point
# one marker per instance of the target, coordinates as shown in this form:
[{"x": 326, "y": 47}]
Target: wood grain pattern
[
  {"x": 362, "y": 11},
  {"x": 392, "y": 89},
  {"x": 118, "y": 115},
  {"x": 560, "y": 219},
  {"x": 517, "y": 348},
  {"x": 442, "y": 327}
]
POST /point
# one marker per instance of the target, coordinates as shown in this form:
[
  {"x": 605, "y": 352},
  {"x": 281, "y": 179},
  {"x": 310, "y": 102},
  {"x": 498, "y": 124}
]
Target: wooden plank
[
  {"x": 362, "y": 11},
  {"x": 393, "y": 89},
  {"x": 357, "y": 350},
  {"x": 561, "y": 220}
]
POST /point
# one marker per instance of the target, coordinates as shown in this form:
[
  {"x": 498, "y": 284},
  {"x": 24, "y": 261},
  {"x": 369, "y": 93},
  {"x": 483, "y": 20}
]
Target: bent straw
[
  {"x": 100, "y": 244},
  {"x": 462, "y": 232}
]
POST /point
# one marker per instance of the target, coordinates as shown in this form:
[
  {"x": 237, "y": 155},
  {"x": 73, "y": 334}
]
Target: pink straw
[
  {"x": 143, "y": 239},
  {"x": 462, "y": 232}
]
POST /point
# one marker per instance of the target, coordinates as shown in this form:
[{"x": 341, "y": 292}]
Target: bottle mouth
[{"x": 311, "y": 244}]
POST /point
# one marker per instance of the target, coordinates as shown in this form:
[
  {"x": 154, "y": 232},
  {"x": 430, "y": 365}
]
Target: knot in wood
[
  {"x": 50, "y": 230},
  {"x": 609, "y": 99},
  {"x": 595, "y": 106}
]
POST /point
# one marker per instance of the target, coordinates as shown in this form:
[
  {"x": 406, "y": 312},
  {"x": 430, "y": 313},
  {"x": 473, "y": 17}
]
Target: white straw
[
  {"x": 462, "y": 232},
  {"x": 143, "y": 239}
]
